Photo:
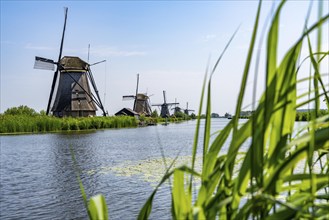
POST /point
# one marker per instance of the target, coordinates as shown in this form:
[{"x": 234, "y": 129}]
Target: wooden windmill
[
  {"x": 186, "y": 111},
  {"x": 176, "y": 108},
  {"x": 165, "y": 106},
  {"x": 71, "y": 81},
  {"x": 141, "y": 101}
]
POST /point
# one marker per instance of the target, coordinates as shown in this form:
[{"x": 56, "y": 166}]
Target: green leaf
[
  {"x": 98, "y": 208},
  {"x": 181, "y": 200}
]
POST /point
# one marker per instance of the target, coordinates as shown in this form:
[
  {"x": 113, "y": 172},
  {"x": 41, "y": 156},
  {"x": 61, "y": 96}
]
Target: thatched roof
[{"x": 73, "y": 63}]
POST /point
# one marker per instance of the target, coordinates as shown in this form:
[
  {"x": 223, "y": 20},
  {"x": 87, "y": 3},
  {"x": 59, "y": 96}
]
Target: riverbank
[
  {"x": 11, "y": 124},
  {"x": 301, "y": 116},
  {"x": 27, "y": 124}
]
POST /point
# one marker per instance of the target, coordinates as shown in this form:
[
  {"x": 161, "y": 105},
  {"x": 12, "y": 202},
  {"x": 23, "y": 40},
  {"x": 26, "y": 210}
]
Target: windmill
[
  {"x": 164, "y": 107},
  {"x": 72, "y": 76},
  {"x": 176, "y": 108},
  {"x": 141, "y": 101},
  {"x": 186, "y": 111}
]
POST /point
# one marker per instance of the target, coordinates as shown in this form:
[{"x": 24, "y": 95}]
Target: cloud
[
  {"x": 209, "y": 37},
  {"x": 33, "y": 47},
  {"x": 104, "y": 51},
  {"x": 99, "y": 51}
]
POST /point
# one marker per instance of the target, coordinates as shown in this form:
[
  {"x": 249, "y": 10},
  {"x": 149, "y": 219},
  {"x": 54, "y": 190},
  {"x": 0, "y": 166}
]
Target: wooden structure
[
  {"x": 71, "y": 82},
  {"x": 141, "y": 101},
  {"x": 127, "y": 112},
  {"x": 187, "y": 110},
  {"x": 165, "y": 106}
]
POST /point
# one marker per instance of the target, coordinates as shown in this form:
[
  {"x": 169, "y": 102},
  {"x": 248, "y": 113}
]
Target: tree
[
  {"x": 155, "y": 114},
  {"x": 20, "y": 110},
  {"x": 227, "y": 115},
  {"x": 180, "y": 115},
  {"x": 42, "y": 112},
  {"x": 214, "y": 115}
]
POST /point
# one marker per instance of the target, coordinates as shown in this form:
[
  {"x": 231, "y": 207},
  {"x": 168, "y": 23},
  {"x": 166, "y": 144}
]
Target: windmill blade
[
  {"x": 176, "y": 108},
  {"x": 91, "y": 78},
  {"x": 52, "y": 91},
  {"x": 97, "y": 62},
  {"x": 59, "y": 58},
  {"x": 63, "y": 34},
  {"x": 173, "y": 103},
  {"x": 128, "y": 97},
  {"x": 135, "y": 102},
  {"x": 164, "y": 97},
  {"x": 44, "y": 63}
]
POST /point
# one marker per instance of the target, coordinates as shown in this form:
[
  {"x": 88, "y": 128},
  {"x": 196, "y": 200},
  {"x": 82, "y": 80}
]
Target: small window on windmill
[{"x": 44, "y": 63}]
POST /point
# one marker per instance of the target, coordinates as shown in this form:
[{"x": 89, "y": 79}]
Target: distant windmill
[
  {"x": 141, "y": 101},
  {"x": 165, "y": 106},
  {"x": 72, "y": 76},
  {"x": 176, "y": 108},
  {"x": 186, "y": 111}
]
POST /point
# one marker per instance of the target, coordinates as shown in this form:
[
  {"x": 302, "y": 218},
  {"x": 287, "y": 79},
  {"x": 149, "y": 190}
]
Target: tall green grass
[
  {"x": 284, "y": 172},
  {"x": 43, "y": 123}
]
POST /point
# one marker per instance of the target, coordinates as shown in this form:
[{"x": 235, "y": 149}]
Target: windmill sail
[
  {"x": 59, "y": 57},
  {"x": 128, "y": 97},
  {"x": 44, "y": 63}
]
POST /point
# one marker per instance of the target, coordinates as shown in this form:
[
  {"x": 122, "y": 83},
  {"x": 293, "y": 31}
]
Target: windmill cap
[
  {"x": 142, "y": 96},
  {"x": 73, "y": 63}
]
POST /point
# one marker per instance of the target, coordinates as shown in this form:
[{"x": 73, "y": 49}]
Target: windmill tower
[
  {"x": 71, "y": 81},
  {"x": 165, "y": 106},
  {"x": 141, "y": 101}
]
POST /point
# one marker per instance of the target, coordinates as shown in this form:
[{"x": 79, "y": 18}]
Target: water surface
[{"x": 38, "y": 180}]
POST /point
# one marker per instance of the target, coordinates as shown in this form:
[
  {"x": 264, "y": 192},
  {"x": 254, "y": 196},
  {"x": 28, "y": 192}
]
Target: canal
[{"x": 38, "y": 180}]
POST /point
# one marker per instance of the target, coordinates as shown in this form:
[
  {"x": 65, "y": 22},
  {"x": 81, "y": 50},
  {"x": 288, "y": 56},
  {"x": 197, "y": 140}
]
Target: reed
[
  {"x": 42, "y": 123},
  {"x": 263, "y": 181}
]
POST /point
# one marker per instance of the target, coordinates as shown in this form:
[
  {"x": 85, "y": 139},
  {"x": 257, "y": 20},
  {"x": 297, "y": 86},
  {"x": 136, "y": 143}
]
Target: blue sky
[{"x": 167, "y": 42}]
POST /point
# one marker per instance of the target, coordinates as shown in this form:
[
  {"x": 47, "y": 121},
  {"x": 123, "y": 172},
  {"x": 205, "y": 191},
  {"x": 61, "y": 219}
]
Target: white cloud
[
  {"x": 8, "y": 43},
  {"x": 104, "y": 51},
  {"x": 98, "y": 51},
  {"x": 209, "y": 37},
  {"x": 33, "y": 47}
]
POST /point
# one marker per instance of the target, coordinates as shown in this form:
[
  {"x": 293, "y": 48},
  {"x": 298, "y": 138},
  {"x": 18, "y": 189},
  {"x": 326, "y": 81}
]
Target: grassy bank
[
  {"x": 37, "y": 123},
  {"x": 302, "y": 116},
  {"x": 43, "y": 123},
  {"x": 307, "y": 116}
]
